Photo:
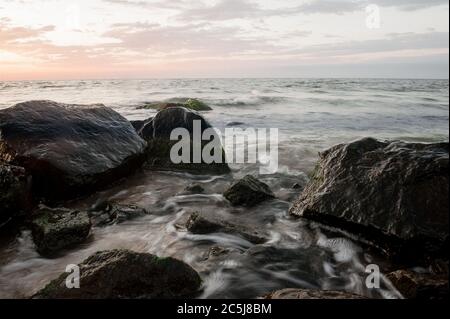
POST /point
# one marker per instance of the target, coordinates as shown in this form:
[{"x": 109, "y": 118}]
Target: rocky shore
[{"x": 390, "y": 196}]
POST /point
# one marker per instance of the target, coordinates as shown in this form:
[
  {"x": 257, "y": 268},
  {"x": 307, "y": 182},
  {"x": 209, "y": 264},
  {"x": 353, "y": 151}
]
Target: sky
[{"x": 105, "y": 39}]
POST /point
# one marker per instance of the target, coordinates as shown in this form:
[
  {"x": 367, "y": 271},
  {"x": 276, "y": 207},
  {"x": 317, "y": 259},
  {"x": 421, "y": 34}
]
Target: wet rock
[
  {"x": 56, "y": 229},
  {"x": 191, "y": 104},
  {"x": 204, "y": 224},
  {"x": 297, "y": 186},
  {"x": 14, "y": 192},
  {"x": 413, "y": 285},
  {"x": 157, "y": 134},
  {"x": 248, "y": 192},
  {"x": 124, "y": 274},
  {"x": 69, "y": 150},
  {"x": 194, "y": 189},
  {"x": 216, "y": 252},
  {"x": 393, "y": 194},
  {"x": 139, "y": 124},
  {"x": 311, "y": 294},
  {"x": 231, "y": 124},
  {"x": 197, "y": 105},
  {"x": 113, "y": 213}
]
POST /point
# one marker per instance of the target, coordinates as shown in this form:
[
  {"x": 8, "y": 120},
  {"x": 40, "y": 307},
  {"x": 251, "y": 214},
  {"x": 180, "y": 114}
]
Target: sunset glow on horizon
[{"x": 89, "y": 39}]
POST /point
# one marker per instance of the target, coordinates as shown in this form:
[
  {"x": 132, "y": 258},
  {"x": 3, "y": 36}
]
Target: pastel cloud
[{"x": 139, "y": 38}]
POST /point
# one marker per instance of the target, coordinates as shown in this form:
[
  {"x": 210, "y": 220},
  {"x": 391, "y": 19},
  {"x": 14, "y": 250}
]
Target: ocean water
[{"x": 311, "y": 115}]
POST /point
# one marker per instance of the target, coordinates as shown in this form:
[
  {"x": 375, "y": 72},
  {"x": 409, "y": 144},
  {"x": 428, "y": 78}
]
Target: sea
[{"x": 311, "y": 115}]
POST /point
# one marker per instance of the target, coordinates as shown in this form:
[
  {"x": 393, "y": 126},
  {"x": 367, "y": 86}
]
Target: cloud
[
  {"x": 430, "y": 43},
  {"x": 344, "y": 6},
  {"x": 10, "y": 35},
  {"x": 201, "y": 39}
]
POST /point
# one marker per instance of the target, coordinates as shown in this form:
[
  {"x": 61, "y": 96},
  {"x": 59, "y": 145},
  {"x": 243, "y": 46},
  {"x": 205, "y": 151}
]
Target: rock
[
  {"x": 69, "y": 150},
  {"x": 157, "y": 134},
  {"x": 139, "y": 124},
  {"x": 311, "y": 294},
  {"x": 413, "y": 285},
  {"x": 393, "y": 194},
  {"x": 15, "y": 197},
  {"x": 215, "y": 252},
  {"x": 191, "y": 104},
  {"x": 248, "y": 192},
  {"x": 56, "y": 229},
  {"x": 113, "y": 213},
  {"x": 124, "y": 274},
  {"x": 297, "y": 186},
  {"x": 194, "y": 189},
  {"x": 231, "y": 124},
  {"x": 196, "y": 105},
  {"x": 203, "y": 224}
]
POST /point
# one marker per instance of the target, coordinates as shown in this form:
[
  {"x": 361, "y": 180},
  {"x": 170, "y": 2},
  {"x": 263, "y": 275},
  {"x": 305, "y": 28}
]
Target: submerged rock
[
  {"x": 194, "y": 189},
  {"x": 113, "y": 213},
  {"x": 14, "y": 191},
  {"x": 413, "y": 285},
  {"x": 56, "y": 229},
  {"x": 204, "y": 224},
  {"x": 394, "y": 194},
  {"x": 311, "y": 294},
  {"x": 191, "y": 104},
  {"x": 248, "y": 192},
  {"x": 124, "y": 274},
  {"x": 157, "y": 133},
  {"x": 69, "y": 150}
]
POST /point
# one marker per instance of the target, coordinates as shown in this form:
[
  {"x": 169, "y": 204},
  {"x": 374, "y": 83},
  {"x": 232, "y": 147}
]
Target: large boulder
[
  {"x": 69, "y": 150},
  {"x": 393, "y": 194},
  {"x": 248, "y": 192},
  {"x": 201, "y": 223},
  {"x": 14, "y": 191},
  {"x": 56, "y": 229},
  {"x": 124, "y": 274},
  {"x": 311, "y": 294},
  {"x": 157, "y": 132}
]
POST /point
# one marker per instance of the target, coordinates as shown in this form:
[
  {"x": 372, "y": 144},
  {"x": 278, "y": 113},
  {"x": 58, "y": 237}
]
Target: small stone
[
  {"x": 248, "y": 192},
  {"x": 203, "y": 224},
  {"x": 56, "y": 229}
]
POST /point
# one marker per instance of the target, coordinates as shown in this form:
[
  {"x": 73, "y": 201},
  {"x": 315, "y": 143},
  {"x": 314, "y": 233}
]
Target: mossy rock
[
  {"x": 191, "y": 104},
  {"x": 56, "y": 229},
  {"x": 124, "y": 274}
]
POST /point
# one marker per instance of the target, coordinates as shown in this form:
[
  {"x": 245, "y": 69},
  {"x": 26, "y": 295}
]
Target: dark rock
[
  {"x": 231, "y": 124},
  {"x": 413, "y": 285},
  {"x": 157, "y": 134},
  {"x": 15, "y": 198},
  {"x": 311, "y": 294},
  {"x": 56, "y": 229},
  {"x": 393, "y": 194},
  {"x": 191, "y": 104},
  {"x": 216, "y": 251},
  {"x": 112, "y": 213},
  {"x": 297, "y": 186},
  {"x": 203, "y": 224},
  {"x": 123, "y": 274},
  {"x": 69, "y": 150},
  {"x": 194, "y": 189},
  {"x": 139, "y": 124},
  {"x": 248, "y": 192}
]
